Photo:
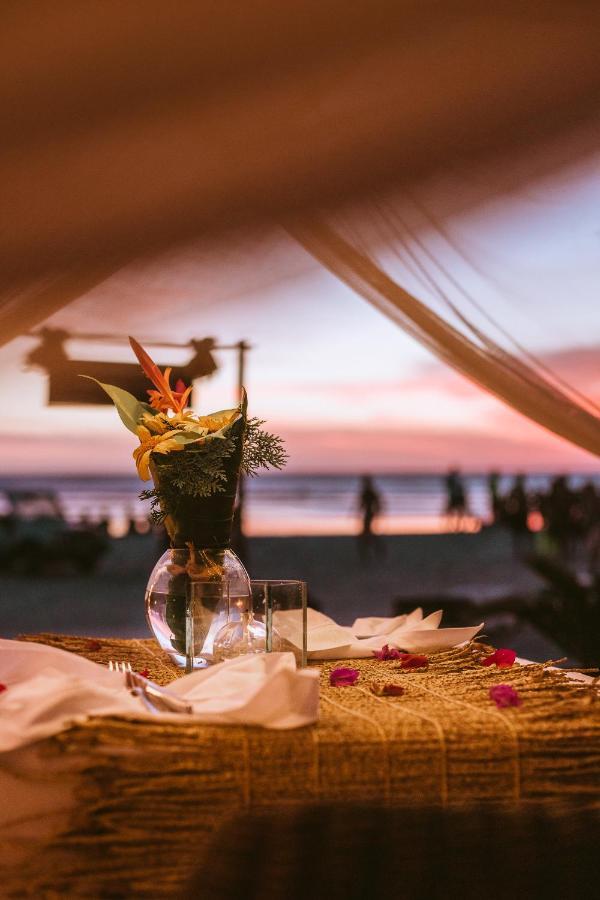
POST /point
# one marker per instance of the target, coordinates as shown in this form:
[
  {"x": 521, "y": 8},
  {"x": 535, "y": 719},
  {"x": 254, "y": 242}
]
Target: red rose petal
[
  {"x": 503, "y": 658},
  {"x": 343, "y": 677},
  {"x": 145, "y": 673},
  {"x": 93, "y": 646},
  {"x": 387, "y": 653},
  {"x": 504, "y": 695},
  {"x": 3, "y": 688},
  {"x": 387, "y": 690},
  {"x": 413, "y": 661}
]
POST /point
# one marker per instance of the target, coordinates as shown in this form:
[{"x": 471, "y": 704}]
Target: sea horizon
[{"x": 294, "y": 504}]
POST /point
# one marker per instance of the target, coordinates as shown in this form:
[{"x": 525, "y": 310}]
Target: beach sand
[{"x": 414, "y": 569}]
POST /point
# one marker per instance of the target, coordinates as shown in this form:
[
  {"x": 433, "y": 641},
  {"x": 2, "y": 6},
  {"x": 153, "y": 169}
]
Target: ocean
[{"x": 284, "y": 504}]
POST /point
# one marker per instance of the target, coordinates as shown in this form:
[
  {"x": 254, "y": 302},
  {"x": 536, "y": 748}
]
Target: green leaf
[
  {"x": 129, "y": 408},
  {"x": 227, "y": 428},
  {"x": 186, "y": 437},
  {"x": 223, "y": 412},
  {"x": 217, "y": 435}
]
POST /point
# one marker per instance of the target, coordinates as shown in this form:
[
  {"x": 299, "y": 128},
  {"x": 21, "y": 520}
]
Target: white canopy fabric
[
  {"x": 134, "y": 125},
  {"x": 131, "y": 127},
  {"x": 525, "y": 385}
]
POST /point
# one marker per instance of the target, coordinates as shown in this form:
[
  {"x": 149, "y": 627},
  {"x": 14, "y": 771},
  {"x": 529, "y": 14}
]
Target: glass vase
[
  {"x": 191, "y": 596},
  {"x": 198, "y": 599}
]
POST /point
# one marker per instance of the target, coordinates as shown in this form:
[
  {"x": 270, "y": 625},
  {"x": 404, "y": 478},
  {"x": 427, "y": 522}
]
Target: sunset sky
[{"x": 347, "y": 388}]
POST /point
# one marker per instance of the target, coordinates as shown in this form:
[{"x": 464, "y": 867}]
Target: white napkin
[
  {"x": 412, "y": 632},
  {"x": 47, "y": 690}
]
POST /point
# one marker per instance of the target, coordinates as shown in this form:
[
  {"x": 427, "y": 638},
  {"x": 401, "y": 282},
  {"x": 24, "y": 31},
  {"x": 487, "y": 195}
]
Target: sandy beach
[{"x": 414, "y": 569}]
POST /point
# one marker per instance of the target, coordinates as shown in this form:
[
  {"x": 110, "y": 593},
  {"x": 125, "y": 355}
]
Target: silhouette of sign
[{"x": 64, "y": 385}]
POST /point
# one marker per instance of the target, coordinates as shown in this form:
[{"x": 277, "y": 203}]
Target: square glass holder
[{"x": 281, "y": 605}]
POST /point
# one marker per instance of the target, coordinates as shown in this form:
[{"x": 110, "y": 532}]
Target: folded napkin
[
  {"x": 412, "y": 632},
  {"x": 45, "y": 690}
]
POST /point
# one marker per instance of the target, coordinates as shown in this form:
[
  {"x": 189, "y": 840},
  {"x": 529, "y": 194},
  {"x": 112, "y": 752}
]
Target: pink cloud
[
  {"x": 60, "y": 455},
  {"x": 423, "y": 422},
  {"x": 580, "y": 366},
  {"x": 423, "y": 450},
  {"x": 434, "y": 378}
]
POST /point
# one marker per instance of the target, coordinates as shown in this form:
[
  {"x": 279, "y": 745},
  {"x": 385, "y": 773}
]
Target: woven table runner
[{"x": 151, "y": 793}]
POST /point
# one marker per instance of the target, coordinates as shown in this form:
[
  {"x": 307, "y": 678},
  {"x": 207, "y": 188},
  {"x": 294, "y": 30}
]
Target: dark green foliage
[
  {"x": 199, "y": 470},
  {"x": 262, "y": 450},
  {"x": 193, "y": 472}
]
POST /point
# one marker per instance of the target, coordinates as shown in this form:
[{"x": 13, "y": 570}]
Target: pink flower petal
[
  {"x": 387, "y": 690},
  {"x": 413, "y": 661},
  {"x": 504, "y": 695},
  {"x": 386, "y": 653},
  {"x": 343, "y": 677},
  {"x": 503, "y": 658}
]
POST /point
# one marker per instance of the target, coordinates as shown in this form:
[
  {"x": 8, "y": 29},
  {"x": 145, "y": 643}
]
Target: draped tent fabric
[
  {"x": 129, "y": 127},
  {"x": 509, "y": 378},
  {"x": 23, "y": 308}
]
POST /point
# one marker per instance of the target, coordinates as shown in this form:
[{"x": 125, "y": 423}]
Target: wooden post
[{"x": 242, "y": 347}]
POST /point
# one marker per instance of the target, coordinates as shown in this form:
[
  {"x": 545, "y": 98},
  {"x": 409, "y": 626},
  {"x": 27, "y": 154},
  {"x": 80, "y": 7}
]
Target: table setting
[{"x": 245, "y": 697}]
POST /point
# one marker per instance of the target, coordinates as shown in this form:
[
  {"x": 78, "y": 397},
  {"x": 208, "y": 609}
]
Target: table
[{"x": 115, "y": 807}]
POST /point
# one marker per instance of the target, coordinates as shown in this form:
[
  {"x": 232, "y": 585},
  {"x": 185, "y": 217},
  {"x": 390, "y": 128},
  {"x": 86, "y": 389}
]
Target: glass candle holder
[{"x": 281, "y": 606}]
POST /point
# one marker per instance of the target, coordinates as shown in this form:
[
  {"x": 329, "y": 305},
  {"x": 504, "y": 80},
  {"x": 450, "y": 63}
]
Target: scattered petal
[
  {"x": 503, "y": 658},
  {"x": 343, "y": 677},
  {"x": 145, "y": 673},
  {"x": 504, "y": 695},
  {"x": 387, "y": 690},
  {"x": 3, "y": 688},
  {"x": 387, "y": 652},
  {"x": 93, "y": 646},
  {"x": 413, "y": 661}
]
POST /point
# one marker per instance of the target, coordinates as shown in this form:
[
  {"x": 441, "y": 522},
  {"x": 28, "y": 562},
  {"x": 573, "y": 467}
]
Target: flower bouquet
[{"x": 198, "y": 586}]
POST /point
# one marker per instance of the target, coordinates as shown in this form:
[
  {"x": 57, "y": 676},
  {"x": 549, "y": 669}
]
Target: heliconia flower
[
  {"x": 3, "y": 688},
  {"x": 343, "y": 677},
  {"x": 413, "y": 661},
  {"x": 502, "y": 658},
  {"x": 387, "y": 690},
  {"x": 93, "y": 646},
  {"x": 164, "y": 398},
  {"x": 504, "y": 695},
  {"x": 387, "y": 653}
]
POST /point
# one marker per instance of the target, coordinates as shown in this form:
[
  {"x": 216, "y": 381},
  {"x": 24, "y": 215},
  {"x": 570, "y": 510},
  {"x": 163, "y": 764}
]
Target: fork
[{"x": 151, "y": 694}]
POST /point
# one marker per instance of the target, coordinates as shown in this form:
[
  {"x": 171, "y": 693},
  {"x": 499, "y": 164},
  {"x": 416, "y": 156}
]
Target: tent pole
[{"x": 242, "y": 348}]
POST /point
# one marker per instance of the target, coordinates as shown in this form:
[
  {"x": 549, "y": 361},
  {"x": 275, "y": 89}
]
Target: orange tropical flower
[
  {"x": 164, "y": 398},
  {"x": 152, "y": 443}
]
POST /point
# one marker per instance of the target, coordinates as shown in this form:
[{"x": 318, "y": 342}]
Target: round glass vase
[
  {"x": 199, "y": 588},
  {"x": 192, "y": 595}
]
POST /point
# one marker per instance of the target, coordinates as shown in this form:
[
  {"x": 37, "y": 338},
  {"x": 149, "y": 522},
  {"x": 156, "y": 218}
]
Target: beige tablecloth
[{"x": 114, "y": 808}]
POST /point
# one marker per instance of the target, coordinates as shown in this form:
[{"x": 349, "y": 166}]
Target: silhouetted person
[
  {"x": 456, "y": 501},
  {"x": 585, "y": 517},
  {"x": 586, "y": 509},
  {"x": 132, "y": 530},
  {"x": 516, "y": 512},
  {"x": 369, "y": 503},
  {"x": 558, "y": 514},
  {"x": 495, "y": 499}
]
